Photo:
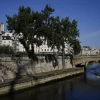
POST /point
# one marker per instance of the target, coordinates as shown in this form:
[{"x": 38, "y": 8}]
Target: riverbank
[{"x": 38, "y": 79}]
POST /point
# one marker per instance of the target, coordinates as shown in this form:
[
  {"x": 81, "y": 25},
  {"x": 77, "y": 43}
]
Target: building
[
  {"x": 44, "y": 48},
  {"x": 17, "y": 46},
  {"x": 7, "y": 38},
  {"x": 95, "y": 51},
  {"x": 87, "y": 50},
  {"x": 1, "y": 32},
  {"x": 1, "y": 27}
]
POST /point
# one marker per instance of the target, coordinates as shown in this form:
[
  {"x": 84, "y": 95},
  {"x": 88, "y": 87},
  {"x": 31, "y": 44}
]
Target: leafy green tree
[
  {"x": 64, "y": 32},
  {"x": 57, "y": 38},
  {"x": 34, "y": 28},
  {"x": 30, "y": 28},
  {"x": 76, "y": 46},
  {"x": 6, "y": 49},
  {"x": 74, "y": 42}
]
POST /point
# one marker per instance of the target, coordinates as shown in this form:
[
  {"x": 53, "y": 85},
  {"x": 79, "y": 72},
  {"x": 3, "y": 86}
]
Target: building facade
[
  {"x": 7, "y": 38},
  {"x": 95, "y": 51},
  {"x": 87, "y": 50},
  {"x": 1, "y": 32}
]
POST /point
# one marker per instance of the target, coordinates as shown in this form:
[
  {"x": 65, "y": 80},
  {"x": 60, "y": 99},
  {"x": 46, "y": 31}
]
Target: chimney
[{"x": 1, "y": 27}]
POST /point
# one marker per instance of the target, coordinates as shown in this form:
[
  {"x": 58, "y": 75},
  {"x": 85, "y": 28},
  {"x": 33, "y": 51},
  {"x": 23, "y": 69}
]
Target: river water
[{"x": 77, "y": 88}]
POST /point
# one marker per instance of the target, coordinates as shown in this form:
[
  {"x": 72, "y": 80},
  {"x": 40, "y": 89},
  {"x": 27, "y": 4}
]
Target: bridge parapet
[{"x": 84, "y": 59}]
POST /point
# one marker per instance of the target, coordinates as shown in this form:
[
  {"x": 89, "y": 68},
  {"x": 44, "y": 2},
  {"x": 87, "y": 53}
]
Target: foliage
[
  {"x": 35, "y": 28},
  {"x": 21, "y": 53},
  {"x": 5, "y": 49},
  {"x": 29, "y": 27},
  {"x": 76, "y": 46},
  {"x": 64, "y": 32}
]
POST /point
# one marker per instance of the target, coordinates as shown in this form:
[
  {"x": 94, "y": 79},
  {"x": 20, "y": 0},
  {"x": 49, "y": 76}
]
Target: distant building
[
  {"x": 1, "y": 27},
  {"x": 87, "y": 50},
  {"x": 95, "y": 51},
  {"x": 1, "y": 32},
  {"x": 17, "y": 46},
  {"x": 7, "y": 38},
  {"x": 48, "y": 50},
  {"x": 44, "y": 48}
]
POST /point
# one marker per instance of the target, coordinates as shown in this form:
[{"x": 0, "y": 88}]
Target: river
[{"x": 77, "y": 88}]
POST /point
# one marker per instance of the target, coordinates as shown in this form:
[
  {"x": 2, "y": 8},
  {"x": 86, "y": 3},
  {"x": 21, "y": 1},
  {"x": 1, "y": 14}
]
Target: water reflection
[
  {"x": 73, "y": 89},
  {"x": 93, "y": 71}
]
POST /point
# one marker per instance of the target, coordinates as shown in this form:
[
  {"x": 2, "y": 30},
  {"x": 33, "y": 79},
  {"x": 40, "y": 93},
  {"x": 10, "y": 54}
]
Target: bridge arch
[{"x": 85, "y": 60}]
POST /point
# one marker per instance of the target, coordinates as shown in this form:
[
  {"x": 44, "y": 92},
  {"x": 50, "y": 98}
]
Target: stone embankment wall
[
  {"x": 10, "y": 67},
  {"x": 31, "y": 83},
  {"x": 46, "y": 70}
]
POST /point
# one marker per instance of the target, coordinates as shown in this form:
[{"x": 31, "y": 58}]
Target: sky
[{"x": 86, "y": 12}]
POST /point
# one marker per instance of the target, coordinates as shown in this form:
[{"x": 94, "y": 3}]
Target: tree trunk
[
  {"x": 33, "y": 66},
  {"x": 63, "y": 58},
  {"x": 31, "y": 55}
]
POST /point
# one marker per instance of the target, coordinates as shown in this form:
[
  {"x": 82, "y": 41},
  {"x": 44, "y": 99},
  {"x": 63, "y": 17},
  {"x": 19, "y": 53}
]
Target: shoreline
[{"x": 41, "y": 80}]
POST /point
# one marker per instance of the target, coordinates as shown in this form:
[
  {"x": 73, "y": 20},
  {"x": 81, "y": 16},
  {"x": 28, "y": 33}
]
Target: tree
[
  {"x": 64, "y": 32},
  {"x": 58, "y": 37},
  {"x": 34, "y": 28},
  {"x": 76, "y": 46},
  {"x": 5, "y": 49},
  {"x": 30, "y": 28},
  {"x": 74, "y": 42}
]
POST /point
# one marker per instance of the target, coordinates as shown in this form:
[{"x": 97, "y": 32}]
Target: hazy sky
[{"x": 86, "y": 12}]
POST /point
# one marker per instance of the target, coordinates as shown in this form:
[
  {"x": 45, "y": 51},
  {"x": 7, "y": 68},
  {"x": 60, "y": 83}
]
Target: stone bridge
[
  {"x": 11, "y": 67},
  {"x": 86, "y": 59}
]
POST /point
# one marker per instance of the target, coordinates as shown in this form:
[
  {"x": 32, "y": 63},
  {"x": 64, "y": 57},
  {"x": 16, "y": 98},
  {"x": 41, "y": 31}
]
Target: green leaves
[
  {"x": 63, "y": 32},
  {"x": 6, "y": 49},
  {"x": 76, "y": 46},
  {"x": 30, "y": 26},
  {"x": 47, "y": 11}
]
